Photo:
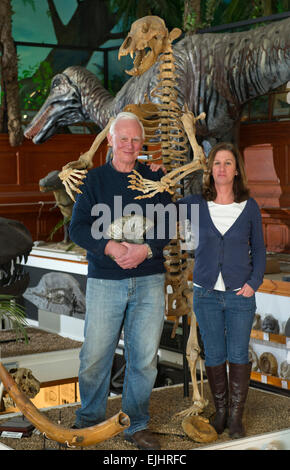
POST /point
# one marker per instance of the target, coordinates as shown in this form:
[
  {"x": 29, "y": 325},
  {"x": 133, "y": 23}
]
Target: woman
[{"x": 229, "y": 268}]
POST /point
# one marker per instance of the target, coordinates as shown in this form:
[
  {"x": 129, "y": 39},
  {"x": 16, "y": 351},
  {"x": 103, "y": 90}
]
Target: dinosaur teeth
[
  {"x": 4, "y": 279},
  {"x": 6, "y": 268},
  {"x": 12, "y": 271},
  {"x": 12, "y": 279}
]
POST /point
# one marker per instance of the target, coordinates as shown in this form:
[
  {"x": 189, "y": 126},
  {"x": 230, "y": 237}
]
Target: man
[{"x": 125, "y": 286}]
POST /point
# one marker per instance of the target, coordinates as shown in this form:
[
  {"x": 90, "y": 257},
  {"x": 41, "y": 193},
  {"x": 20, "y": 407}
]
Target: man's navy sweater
[
  {"x": 100, "y": 187},
  {"x": 239, "y": 254}
]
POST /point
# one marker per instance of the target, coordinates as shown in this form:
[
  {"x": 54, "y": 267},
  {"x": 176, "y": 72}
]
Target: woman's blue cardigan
[{"x": 239, "y": 254}]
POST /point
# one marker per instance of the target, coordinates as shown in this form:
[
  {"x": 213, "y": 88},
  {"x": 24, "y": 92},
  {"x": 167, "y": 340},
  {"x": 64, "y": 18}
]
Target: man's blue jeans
[
  {"x": 138, "y": 305},
  {"x": 225, "y": 320}
]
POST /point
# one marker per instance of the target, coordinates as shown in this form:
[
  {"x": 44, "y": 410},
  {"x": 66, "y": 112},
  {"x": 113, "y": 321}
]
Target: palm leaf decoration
[{"x": 12, "y": 311}]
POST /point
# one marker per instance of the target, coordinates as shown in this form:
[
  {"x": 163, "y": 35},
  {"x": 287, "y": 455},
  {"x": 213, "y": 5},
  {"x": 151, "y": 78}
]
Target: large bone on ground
[{"x": 71, "y": 437}]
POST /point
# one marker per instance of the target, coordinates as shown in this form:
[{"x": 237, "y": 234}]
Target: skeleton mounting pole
[{"x": 70, "y": 437}]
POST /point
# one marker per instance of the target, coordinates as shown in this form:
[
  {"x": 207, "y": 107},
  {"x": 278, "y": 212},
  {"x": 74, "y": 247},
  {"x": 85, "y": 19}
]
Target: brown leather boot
[
  {"x": 239, "y": 381},
  {"x": 218, "y": 382},
  {"x": 144, "y": 440}
]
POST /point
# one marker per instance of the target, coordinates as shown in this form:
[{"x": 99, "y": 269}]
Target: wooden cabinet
[
  {"x": 266, "y": 150},
  {"x": 22, "y": 167}
]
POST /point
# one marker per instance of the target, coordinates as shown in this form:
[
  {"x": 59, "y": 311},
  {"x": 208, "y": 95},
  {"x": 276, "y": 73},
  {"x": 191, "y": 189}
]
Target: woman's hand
[{"x": 246, "y": 291}]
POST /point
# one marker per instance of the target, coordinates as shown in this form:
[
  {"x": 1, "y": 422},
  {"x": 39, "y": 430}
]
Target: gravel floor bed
[{"x": 265, "y": 412}]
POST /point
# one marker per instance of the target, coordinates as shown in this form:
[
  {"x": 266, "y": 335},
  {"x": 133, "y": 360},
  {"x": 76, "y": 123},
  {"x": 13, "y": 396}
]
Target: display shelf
[
  {"x": 270, "y": 380},
  {"x": 278, "y": 440},
  {"x": 53, "y": 259},
  {"x": 264, "y": 336},
  {"x": 276, "y": 287},
  {"x": 47, "y": 366},
  {"x": 4, "y": 447},
  {"x": 272, "y": 298}
]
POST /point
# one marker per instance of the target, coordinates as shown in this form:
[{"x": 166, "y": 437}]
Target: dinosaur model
[
  {"x": 52, "y": 183},
  {"x": 217, "y": 74},
  {"x": 15, "y": 246}
]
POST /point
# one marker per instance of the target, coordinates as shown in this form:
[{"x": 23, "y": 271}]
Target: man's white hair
[{"x": 126, "y": 115}]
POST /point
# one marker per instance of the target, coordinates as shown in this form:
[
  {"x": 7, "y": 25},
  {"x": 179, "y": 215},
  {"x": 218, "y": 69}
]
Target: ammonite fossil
[
  {"x": 268, "y": 364},
  {"x": 199, "y": 429},
  {"x": 285, "y": 370},
  {"x": 287, "y": 328},
  {"x": 253, "y": 358}
]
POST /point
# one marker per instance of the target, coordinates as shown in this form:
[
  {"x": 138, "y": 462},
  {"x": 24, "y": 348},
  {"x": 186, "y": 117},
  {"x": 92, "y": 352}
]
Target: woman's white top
[{"x": 223, "y": 217}]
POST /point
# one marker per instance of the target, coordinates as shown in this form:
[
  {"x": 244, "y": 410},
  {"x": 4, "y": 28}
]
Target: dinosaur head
[
  {"x": 15, "y": 246},
  {"x": 51, "y": 182},
  {"x": 62, "y": 107},
  {"x": 149, "y": 33}
]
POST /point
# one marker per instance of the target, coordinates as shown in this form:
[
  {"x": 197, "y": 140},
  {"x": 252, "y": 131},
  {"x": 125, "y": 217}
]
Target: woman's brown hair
[{"x": 241, "y": 191}]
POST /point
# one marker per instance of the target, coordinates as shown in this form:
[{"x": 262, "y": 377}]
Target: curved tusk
[{"x": 71, "y": 437}]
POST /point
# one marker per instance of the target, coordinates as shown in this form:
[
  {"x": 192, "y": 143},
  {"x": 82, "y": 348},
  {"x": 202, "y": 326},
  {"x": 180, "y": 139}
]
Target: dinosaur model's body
[
  {"x": 217, "y": 74},
  {"x": 52, "y": 183}
]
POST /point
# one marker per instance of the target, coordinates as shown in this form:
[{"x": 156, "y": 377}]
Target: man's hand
[
  {"x": 246, "y": 291},
  {"x": 135, "y": 255},
  {"x": 115, "y": 249}
]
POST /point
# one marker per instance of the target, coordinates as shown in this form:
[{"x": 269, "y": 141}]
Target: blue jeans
[
  {"x": 138, "y": 305},
  {"x": 225, "y": 320}
]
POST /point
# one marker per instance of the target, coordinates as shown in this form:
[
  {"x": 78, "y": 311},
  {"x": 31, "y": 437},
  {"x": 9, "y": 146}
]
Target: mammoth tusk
[{"x": 70, "y": 437}]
